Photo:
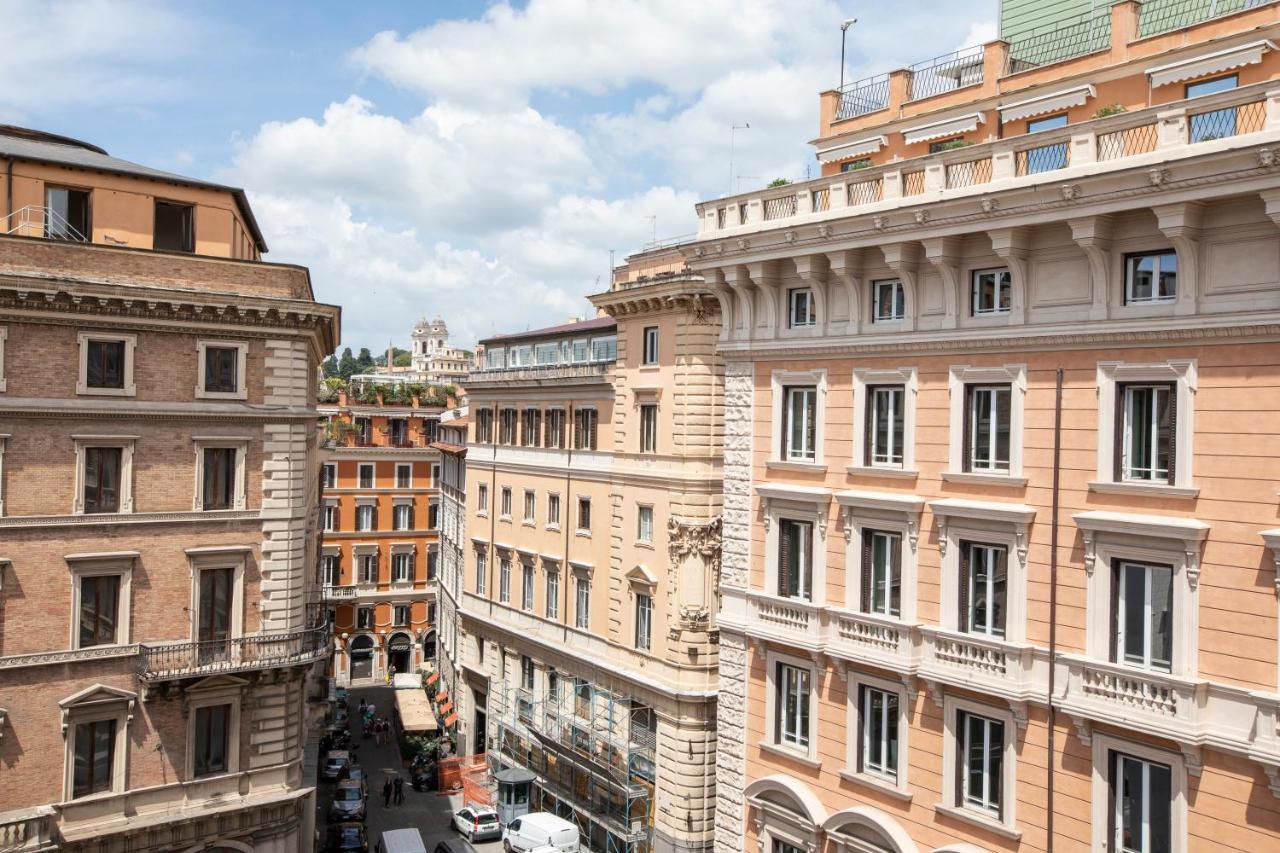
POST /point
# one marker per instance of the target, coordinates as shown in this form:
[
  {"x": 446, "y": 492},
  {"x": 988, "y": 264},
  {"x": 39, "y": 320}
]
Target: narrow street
[{"x": 428, "y": 811}]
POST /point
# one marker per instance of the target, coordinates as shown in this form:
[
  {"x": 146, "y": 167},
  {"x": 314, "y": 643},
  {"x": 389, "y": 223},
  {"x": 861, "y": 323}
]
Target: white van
[
  {"x": 403, "y": 841},
  {"x": 540, "y": 829}
]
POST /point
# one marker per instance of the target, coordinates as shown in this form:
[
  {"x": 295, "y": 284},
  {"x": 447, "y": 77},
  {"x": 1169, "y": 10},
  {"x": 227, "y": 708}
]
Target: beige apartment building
[
  {"x": 1000, "y": 510},
  {"x": 161, "y": 636},
  {"x": 587, "y": 645}
]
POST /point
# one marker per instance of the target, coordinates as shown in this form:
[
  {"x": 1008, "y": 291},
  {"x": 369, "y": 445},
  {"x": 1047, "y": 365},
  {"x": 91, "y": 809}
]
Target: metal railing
[
  {"x": 545, "y": 371},
  {"x": 1128, "y": 142},
  {"x": 969, "y": 173},
  {"x": 821, "y": 200},
  {"x": 865, "y": 192},
  {"x": 262, "y": 651},
  {"x": 1228, "y": 121},
  {"x": 36, "y": 220},
  {"x": 1043, "y": 158},
  {"x": 1162, "y": 16},
  {"x": 780, "y": 208},
  {"x": 863, "y": 96},
  {"x": 946, "y": 73},
  {"x": 1046, "y": 45},
  {"x": 913, "y": 182}
]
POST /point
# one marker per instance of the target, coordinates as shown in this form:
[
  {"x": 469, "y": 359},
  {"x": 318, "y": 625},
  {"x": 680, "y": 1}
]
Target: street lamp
[
  {"x": 733, "y": 132},
  {"x": 844, "y": 29}
]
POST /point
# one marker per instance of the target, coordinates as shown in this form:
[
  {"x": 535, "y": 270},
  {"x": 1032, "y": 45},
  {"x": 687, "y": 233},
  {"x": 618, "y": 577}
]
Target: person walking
[
  {"x": 399, "y": 791},
  {"x": 387, "y": 790}
]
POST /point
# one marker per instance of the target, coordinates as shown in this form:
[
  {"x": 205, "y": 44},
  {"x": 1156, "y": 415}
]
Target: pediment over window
[
  {"x": 94, "y": 698},
  {"x": 640, "y": 574}
]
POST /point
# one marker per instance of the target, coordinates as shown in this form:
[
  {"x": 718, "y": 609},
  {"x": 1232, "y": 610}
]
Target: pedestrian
[
  {"x": 387, "y": 789},
  {"x": 362, "y": 705},
  {"x": 382, "y": 732},
  {"x": 399, "y": 791}
]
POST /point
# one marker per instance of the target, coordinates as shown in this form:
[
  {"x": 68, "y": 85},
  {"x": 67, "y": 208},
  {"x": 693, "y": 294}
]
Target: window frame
[
  {"x": 1059, "y": 120},
  {"x": 241, "y": 391},
  {"x": 189, "y": 233},
  {"x": 581, "y": 599},
  {"x": 778, "y": 503},
  {"x": 1111, "y": 377},
  {"x": 504, "y": 577},
  {"x": 370, "y": 507},
  {"x": 200, "y": 698},
  {"x": 129, "y": 388},
  {"x": 482, "y": 499},
  {"x": 808, "y": 753},
  {"x": 361, "y": 467},
  {"x": 649, "y": 352},
  {"x": 529, "y": 507},
  {"x": 580, "y": 530},
  {"x": 854, "y": 746},
  {"x": 992, "y": 524},
  {"x": 96, "y": 704},
  {"x": 1001, "y": 289},
  {"x": 240, "y": 488},
  {"x": 505, "y": 503},
  {"x": 528, "y": 577},
  {"x": 4, "y": 336},
  {"x": 783, "y": 383},
  {"x": 643, "y": 610},
  {"x": 864, "y": 380},
  {"x": 641, "y": 538},
  {"x": 551, "y": 606},
  {"x": 899, "y": 295},
  {"x": 1127, "y": 269},
  {"x": 403, "y": 555},
  {"x": 125, "y": 444},
  {"x": 1101, "y": 808},
  {"x": 1118, "y": 604},
  {"x": 1006, "y": 823},
  {"x": 118, "y": 564},
  {"x": 806, "y": 319},
  {"x": 962, "y": 377},
  {"x": 553, "y": 510},
  {"x": 407, "y": 482},
  {"x": 648, "y": 423}
]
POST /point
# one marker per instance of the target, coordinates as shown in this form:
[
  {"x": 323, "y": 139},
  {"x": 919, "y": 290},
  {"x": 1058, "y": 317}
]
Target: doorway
[
  {"x": 481, "y": 723},
  {"x": 361, "y": 658},
  {"x": 213, "y": 615},
  {"x": 399, "y": 652}
]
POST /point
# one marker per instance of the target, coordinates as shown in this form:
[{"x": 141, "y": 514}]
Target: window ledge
[
  {"x": 884, "y": 786},
  {"x": 782, "y": 465},
  {"x": 554, "y": 527},
  {"x": 784, "y": 752},
  {"x": 528, "y": 523},
  {"x": 586, "y": 534},
  {"x": 874, "y": 471},
  {"x": 645, "y": 544},
  {"x": 1154, "y": 489},
  {"x": 987, "y": 823},
  {"x": 984, "y": 479},
  {"x": 504, "y": 518}
]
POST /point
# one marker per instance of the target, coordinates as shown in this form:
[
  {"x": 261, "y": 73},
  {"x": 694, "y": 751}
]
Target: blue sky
[{"x": 472, "y": 160}]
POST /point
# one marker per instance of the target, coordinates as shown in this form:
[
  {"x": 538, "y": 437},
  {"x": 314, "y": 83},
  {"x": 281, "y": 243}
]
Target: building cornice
[
  {"x": 129, "y": 518},
  {"x": 79, "y": 408}
]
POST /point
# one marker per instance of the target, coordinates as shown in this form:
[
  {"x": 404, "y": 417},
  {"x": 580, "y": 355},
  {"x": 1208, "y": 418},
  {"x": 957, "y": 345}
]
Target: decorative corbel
[
  {"x": 1181, "y": 224},
  {"x": 942, "y": 534},
  {"x": 1090, "y": 551},
  {"x": 990, "y": 205},
  {"x": 1093, "y": 235},
  {"x": 846, "y": 268},
  {"x": 846, "y": 518},
  {"x": 1070, "y": 192},
  {"x": 820, "y": 519},
  {"x": 767, "y": 279},
  {"x": 1271, "y": 201},
  {"x": 1013, "y": 246},
  {"x": 1267, "y": 158},
  {"x": 1272, "y": 540},
  {"x": 841, "y": 668},
  {"x": 1084, "y": 730},
  {"x": 1192, "y": 759},
  {"x": 935, "y": 691},
  {"x": 813, "y": 271},
  {"x": 1019, "y": 709},
  {"x": 921, "y": 217},
  {"x": 904, "y": 259},
  {"x": 912, "y": 687},
  {"x": 1193, "y": 565},
  {"x": 913, "y": 529},
  {"x": 944, "y": 254},
  {"x": 1273, "y": 779},
  {"x": 4, "y": 717},
  {"x": 1020, "y": 543}
]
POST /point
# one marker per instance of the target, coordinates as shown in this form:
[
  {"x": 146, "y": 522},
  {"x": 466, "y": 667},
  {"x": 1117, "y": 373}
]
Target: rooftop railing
[
  {"x": 864, "y": 96},
  {"x": 1162, "y": 16},
  {"x": 209, "y": 657},
  {"x": 1046, "y": 45},
  {"x": 946, "y": 73}
]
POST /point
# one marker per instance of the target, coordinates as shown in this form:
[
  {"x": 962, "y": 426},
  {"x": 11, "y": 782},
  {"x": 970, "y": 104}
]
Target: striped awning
[
  {"x": 433, "y": 678},
  {"x": 442, "y": 695},
  {"x": 446, "y": 707},
  {"x": 1210, "y": 63},
  {"x": 450, "y": 720}
]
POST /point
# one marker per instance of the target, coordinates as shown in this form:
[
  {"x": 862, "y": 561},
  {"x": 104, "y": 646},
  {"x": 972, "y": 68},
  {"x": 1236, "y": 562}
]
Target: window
[
  {"x": 886, "y": 425},
  {"x": 584, "y": 515},
  {"x": 106, "y": 364},
  {"x": 506, "y": 502},
  {"x": 980, "y": 768},
  {"x": 504, "y": 580},
  {"x": 222, "y": 367},
  {"x": 430, "y": 430},
  {"x": 435, "y": 474},
  {"x": 644, "y": 621},
  {"x": 482, "y": 498},
  {"x": 484, "y": 426},
  {"x": 649, "y": 354},
  {"x": 329, "y": 569},
  {"x": 68, "y": 215},
  {"x": 888, "y": 301},
  {"x": 95, "y": 758},
  {"x": 99, "y": 610},
  {"x": 482, "y": 571},
  {"x": 881, "y": 573},
  {"x": 940, "y": 145},
  {"x": 1036, "y": 125},
  {"x": 400, "y": 615},
  {"x": 983, "y": 588},
  {"x": 404, "y": 476},
  {"x": 433, "y": 561},
  {"x": 366, "y": 476},
  {"x": 987, "y": 427},
  {"x": 553, "y": 594},
  {"x": 795, "y": 559},
  {"x": 531, "y": 428},
  {"x": 526, "y": 672},
  {"x": 1218, "y": 123},
  {"x": 553, "y": 510},
  {"x": 855, "y": 165},
  {"x": 174, "y": 227},
  {"x": 799, "y": 423},
  {"x": 364, "y": 618},
  {"x": 330, "y": 518},
  {"x": 218, "y": 488},
  {"x": 802, "y": 310},
  {"x": 582, "y": 602},
  {"x": 584, "y": 429},
  {"x": 791, "y": 709},
  {"x": 212, "y": 739},
  {"x": 1142, "y": 604},
  {"x": 992, "y": 292},
  {"x": 433, "y": 515},
  {"x": 648, "y": 428},
  {"x": 878, "y": 735},
  {"x": 329, "y": 476},
  {"x": 368, "y": 564},
  {"x": 526, "y": 585},
  {"x": 644, "y": 523},
  {"x": 507, "y": 423},
  {"x": 1150, "y": 277},
  {"x": 554, "y": 428},
  {"x": 401, "y": 566},
  {"x": 1141, "y": 794},
  {"x": 530, "y": 506},
  {"x": 102, "y": 472},
  {"x": 366, "y": 517},
  {"x": 1146, "y": 424}
]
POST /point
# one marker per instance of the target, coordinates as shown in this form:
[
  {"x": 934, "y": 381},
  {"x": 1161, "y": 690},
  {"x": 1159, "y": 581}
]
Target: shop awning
[
  {"x": 433, "y": 678},
  {"x": 446, "y": 707},
  {"x": 416, "y": 716},
  {"x": 442, "y": 695},
  {"x": 450, "y": 720}
]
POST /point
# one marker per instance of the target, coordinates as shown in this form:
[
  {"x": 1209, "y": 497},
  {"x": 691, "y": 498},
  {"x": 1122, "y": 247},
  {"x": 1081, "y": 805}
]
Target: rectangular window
[
  {"x": 650, "y": 353},
  {"x": 983, "y": 588},
  {"x": 482, "y": 572},
  {"x": 221, "y": 366},
  {"x": 886, "y": 425},
  {"x": 1141, "y": 793},
  {"x": 1217, "y": 124},
  {"x": 329, "y": 570},
  {"x": 530, "y": 507},
  {"x": 104, "y": 366},
  {"x": 95, "y": 756},
  {"x": 482, "y": 497},
  {"x": 582, "y": 603},
  {"x": 102, "y": 479},
  {"x": 368, "y": 567},
  {"x": 401, "y": 567},
  {"x": 584, "y": 515},
  {"x": 1142, "y": 615},
  {"x": 507, "y": 426},
  {"x": 212, "y": 740},
  {"x": 364, "y": 618},
  {"x": 802, "y": 311},
  {"x": 553, "y": 510},
  {"x": 1150, "y": 277},
  {"x": 992, "y": 292},
  {"x": 555, "y": 428},
  {"x": 484, "y": 426},
  {"x": 791, "y": 708},
  {"x": 219, "y": 488},
  {"x": 980, "y": 752},
  {"x": 504, "y": 580},
  {"x": 506, "y": 502},
  {"x": 553, "y": 594},
  {"x": 855, "y": 165},
  {"x": 99, "y": 609},
  {"x": 330, "y": 518},
  {"x": 433, "y": 516},
  {"x": 888, "y": 301},
  {"x": 1145, "y": 444},
  {"x": 878, "y": 741},
  {"x": 365, "y": 518},
  {"x": 644, "y": 622},
  {"x": 68, "y": 215},
  {"x": 1037, "y": 125},
  {"x": 329, "y": 476},
  {"x": 987, "y": 428},
  {"x": 526, "y": 672},
  {"x": 795, "y": 559},
  {"x": 366, "y": 476},
  {"x": 400, "y": 615},
  {"x": 644, "y": 523},
  {"x": 435, "y": 475},
  {"x": 799, "y": 423},
  {"x": 404, "y": 476},
  {"x": 433, "y": 561},
  {"x": 174, "y": 227},
  {"x": 881, "y": 573},
  {"x": 584, "y": 429},
  {"x": 531, "y": 428},
  {"x": 526, "y": 586},
  {"x": 648, "y": 428}
]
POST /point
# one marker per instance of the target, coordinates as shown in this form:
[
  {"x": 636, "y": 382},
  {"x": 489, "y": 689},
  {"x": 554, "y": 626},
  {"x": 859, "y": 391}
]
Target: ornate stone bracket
[
  {"x": 1013, "y": 245},
  {"x": 1090, "y": 551},
  {"x": 1191, "y": 757},
  {"x": 1273, "y": 779},
  {"x": 1084, "y": 730},
  {"x": 943, "y": 253},
  {"x": 1181, "y": 224},
  {"x": 1093, "y": 235},
  {"x": 1019, "y": 709}
]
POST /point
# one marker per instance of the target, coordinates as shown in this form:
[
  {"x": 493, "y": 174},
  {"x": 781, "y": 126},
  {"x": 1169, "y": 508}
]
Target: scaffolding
[{"x": 593, "y": 752}]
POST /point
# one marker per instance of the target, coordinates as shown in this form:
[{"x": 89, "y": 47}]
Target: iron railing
[
  {"x": 913, "y": 182},
  {"x": 969, "y": 173},
  {"x": 36, "y": 220},
  {"x": 946, "y": 73},
  {"x": 1128, "y": 142},
  {"x": 207, "y": 657},
  {"x": 1043, "y": 158},
  {"x": 1046, "y": 45},
  {"x": 863, "y": 96},
  {"x": 1162, "y": 16},
  {"x": 780, "y": 208},
  {"x": 1225, "y": 122},
  {"x": 865, "y": 192}
]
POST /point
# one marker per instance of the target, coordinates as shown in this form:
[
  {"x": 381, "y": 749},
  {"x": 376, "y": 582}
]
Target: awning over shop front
[
  {"x": 450, "y": 720},
  {"x": 433, "y": 678},
  {"x": 416, "y": 716},
  {"x": 442, "y": 695}
]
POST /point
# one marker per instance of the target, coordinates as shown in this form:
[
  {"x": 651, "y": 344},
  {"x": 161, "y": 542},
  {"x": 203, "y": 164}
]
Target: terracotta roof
[
  {"x": 556, "y": 331},
  {"x": 456, "y": 422},
  {"x": 446, "y": 447}
]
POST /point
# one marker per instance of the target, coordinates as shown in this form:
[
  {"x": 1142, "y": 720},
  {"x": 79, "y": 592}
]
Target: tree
[
  {"x": 330, "y": 367},
  {"x": 346, "y": 364},
  {"x": 403, "y": 358},
  {"x": 778, "y": 182},
  {"x": 364, "y": 361}
]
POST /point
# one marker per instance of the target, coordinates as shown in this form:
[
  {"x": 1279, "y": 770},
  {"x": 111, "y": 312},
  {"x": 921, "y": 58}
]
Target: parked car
[
  {"x": 355, "y": 773},
  {"x": 403, "y": 841},
  {"x": 477, "y": 824},
  {"x": 540, "y": 829},
  {"x": 346, "y": 838},
  {"x": 334, "y": 762},
  {"x": 348, "y": 802},
  {"x": 457, "y": 845}
]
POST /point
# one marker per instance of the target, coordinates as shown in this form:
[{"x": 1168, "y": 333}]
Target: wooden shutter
[
  {"x": 961, "y": 757},
  {"x": 866, "y": 569},
  {"x": 786, "y": 423},
  {"x": 1004, "y": 403},
  {"x": 784, "y": 557},
  {"x": 413, "y": 563},
  {"x": 1173, "y": 433},
  {"x": 966, "y": 431},
  {"x": 779, "y": 702},
  {"x": 1116, "y": 580},
  {"x": 1118, "y": 430},
  {"x": 895, "y": 574},
  {"x": 962, "y": 596},
  {"x": 591, "y": 418},
  {"x": 868, "y": 434}
]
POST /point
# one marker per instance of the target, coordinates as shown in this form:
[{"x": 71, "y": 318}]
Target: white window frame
[
  {"x": 528, "y": 577},
  {"x": 482, "y": 572},
  {"x": 408, "y": 611},
  {"x": 900, "y": 786},
  {"x": 404, "y": 466},
  {"x": 435, "y": 475},
  {"x": 641, "y": 538},
  {"x": 552, "y": 604},
  {"x": 1184, "y": 373},
  {"x": 797, "y": 503},
  {"x": 241, "y": 446},
  {"x": 530, "y": 507},
  {"x": 580, "y": 530},
  {"x": 876, "y": 287},
  {"x": 649, "y": 346},
  {"x": 242, "y": 362},
  {"x": 371, "y": 507},
  {"x": 1102, "y": 744},
  {"x": 504, "y": 505},
  {"x": 219, "y": 691},
  {"x": 126, "y": 445},
  {"x": 643, "y": 628},
  {"x": 331, "y": 555},
  {"x": 889, "y": 513},
  {"x": 810, "y": 318},
  {"x": 648, "y": 427},
  {"x": 553, "y": 518},
  {"x": 406, "y": 551},
  {"x": 118, "y": 563},
  {"x": 962, "y": 376},
  {"x": 581, "y": 583},
  {"x": 331, "y": 518},
  {"x": 988, "y": 523},
  {"x": 4, "y": 335},
  {"x": 130, "y": 349},
  {"x": 863, "y": 380},
  {"x": 974, "y": 275},
  {"x": 329, "y": 475},
  {"x": 93, "y": 704},
  {"x": 398, "y": 505},
  {"x": 1007, "y": 823},
  {"x": 219, "y": 557},
  {"x": 808, "y": 755},
  {"x": 1126, "y": 293},
  {"x": 358, "y": 552},
  {"x": 373, "y": 475},
  {"x": 504, "y": 578},
  {"x": 779, "y": 380},
  {"x": 482, "y": 499}
]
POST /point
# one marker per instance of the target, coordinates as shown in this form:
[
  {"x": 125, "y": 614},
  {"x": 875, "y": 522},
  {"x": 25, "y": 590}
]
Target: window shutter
[
  {"x": 786, "y": 423},
  {"x": 866, "y": 570},
  {"x": 870, "y": 425},
  {"x": 1115, "y": 611},
  {"x": 961, "y": 758},
  {"x": 591, "y": 417},
  {"x": 895, "y": 585},
  {"x": 1004, "y": 420},
  {"x": 779, "y": 702},
  {"x": 962, "y": 597},
  {"x": 966, "y": 431},
  {"x": 1173, "y": 434},
  {"x": 1118, "y": 429},
  {"x": 784, "y": 558},
  {"x": 1113, "y": 781},
  {"x": 411, "y": 524},
  {"x": 413, "y": 566}
]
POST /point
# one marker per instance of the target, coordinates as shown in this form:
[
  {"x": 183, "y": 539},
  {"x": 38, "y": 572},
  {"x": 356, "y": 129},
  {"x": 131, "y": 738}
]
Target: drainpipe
[
  {"x": 566, "y": 507},
  {"x": 1053, "y": 600},
  {"x": 8, "y": 191}
]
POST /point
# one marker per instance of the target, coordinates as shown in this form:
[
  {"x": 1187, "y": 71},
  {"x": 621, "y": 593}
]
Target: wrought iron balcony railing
[{"x": 238, "y": 654}]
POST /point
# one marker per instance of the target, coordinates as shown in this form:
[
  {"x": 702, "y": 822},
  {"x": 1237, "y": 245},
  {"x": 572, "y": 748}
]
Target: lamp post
[
  {"x": 844, "y": 30},
  {"x": 733, "y": 131}
]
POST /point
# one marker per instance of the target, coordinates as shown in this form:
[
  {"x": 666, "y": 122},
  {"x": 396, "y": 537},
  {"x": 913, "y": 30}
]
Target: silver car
[{"x": 477, "y": 824}]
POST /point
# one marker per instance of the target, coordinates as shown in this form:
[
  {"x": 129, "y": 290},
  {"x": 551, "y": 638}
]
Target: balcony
[
  {"x": 1153, "y": 702},
  {"x": 338, "y": 593},
  {"x": 28, "y": 830},
  {"x": 1162, "y": 16},
  {"x": 1016, "y": 672},
  {"x": 877, "y": 640},
  {"x": 36, "y": 220},
  {"x": 786, "y": 620},
  {"x": 535, "y": 373},
  {"x": 216, "y": 657}
]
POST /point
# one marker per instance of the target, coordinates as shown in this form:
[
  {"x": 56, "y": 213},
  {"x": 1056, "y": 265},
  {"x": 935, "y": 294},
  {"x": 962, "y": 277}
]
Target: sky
[{"x": 475, "y": 161}]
